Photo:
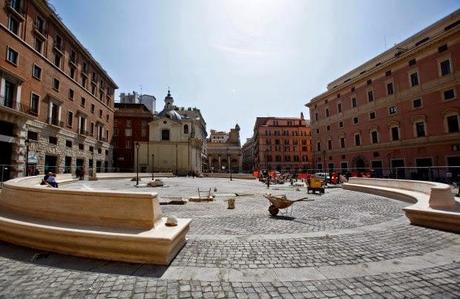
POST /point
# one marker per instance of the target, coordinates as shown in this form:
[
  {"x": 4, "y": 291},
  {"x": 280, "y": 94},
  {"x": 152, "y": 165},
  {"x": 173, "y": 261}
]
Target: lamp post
[
  {"x": 153, "y": 166},
  {"x": 266, "y": 168},
  {"x": 27, "y": 142},
  {"x": 229, "y": 165},
  {"x": 137, "y": 163}
]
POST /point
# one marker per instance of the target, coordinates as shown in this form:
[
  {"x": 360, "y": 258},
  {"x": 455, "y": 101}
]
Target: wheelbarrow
[{"x": 280, "y": 202}]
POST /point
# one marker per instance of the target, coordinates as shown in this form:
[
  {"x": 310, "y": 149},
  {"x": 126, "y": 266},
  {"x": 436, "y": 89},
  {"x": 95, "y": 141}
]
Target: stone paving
[{"x": 343, "y": 244}]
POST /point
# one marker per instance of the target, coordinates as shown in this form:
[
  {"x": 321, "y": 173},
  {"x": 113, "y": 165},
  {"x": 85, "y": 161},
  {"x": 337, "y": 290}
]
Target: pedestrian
[{"x": 52, "y": 180}]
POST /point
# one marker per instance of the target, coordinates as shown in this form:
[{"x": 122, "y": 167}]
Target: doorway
[{"x": 50, "y": 164}]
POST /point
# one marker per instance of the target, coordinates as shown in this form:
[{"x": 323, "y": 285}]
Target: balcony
[
  {"x": 12, "y": 104},
  {"x": 54, "y": 121}
]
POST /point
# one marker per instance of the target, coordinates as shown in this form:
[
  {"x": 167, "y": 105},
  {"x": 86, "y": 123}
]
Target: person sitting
[
  {"x": 45, "y": 179},
  {"x": 52, "y": 180}
]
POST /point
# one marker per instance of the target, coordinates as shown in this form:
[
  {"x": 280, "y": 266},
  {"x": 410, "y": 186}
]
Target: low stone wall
[
  {"x": 241, "y": 176},
  {"x": 110, "y": 225},
  {"x": 434, "y": 204}
]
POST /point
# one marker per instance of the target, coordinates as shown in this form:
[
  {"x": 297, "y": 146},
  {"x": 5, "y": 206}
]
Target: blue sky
[{"x": 239, "y": 59}]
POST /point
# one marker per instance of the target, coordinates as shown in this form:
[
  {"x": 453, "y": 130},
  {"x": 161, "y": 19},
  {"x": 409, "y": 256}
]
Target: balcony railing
[
  {"x": 55, "y": 122},
  {"x": 13, "y": 104}
]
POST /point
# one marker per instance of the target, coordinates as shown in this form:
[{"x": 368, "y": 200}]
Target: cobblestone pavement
[{"x": 343, "y": 244}]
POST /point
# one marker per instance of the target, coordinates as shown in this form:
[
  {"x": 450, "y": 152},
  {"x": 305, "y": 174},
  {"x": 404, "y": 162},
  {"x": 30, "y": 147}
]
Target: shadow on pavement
[{"x": 60, "y": 261}]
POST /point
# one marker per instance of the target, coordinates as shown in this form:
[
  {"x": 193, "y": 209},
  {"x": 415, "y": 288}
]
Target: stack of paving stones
[{"x": 342, "y": 245}]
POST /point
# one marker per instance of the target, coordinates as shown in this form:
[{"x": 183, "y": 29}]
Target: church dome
[{"x": 172, "y": 114}]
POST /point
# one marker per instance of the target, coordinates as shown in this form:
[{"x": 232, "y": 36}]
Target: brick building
[
  {"x": 399, "y": 109},
  {"x": 282, "y": 143},
  {"x": 131, "y": 124},
  {"x": 56, "y": 101},
  {"x": 224, "y": 151}
]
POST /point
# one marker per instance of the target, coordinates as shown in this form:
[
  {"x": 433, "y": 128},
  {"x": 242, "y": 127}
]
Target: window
[
  {"x": 342, "y": 142},
  {"x": 92, "y": 108},
  {"x": 414, "y": 79},
  {"x": 328, "y": 128},
  {"x": 68, "y": 143},
  {"x": 85, "y": 68},
  {"x": 91, "y": 149},
  {"x": 329, "y": 144},
  {"x": 374, "y": 137},
  {"x": 390, "y": 90},
  {"x": 73, "y": 57},
  {"x": 92, "y": 129},
  {"x": 445, "y": 67},
  {"x": 395, "y": 133},
  {"x": 449, "y": 94},
  {"x": 36, "y": 72},
  {"x": 34, "y": 101},
  {"x": 107, "y": 117},
  {"x": 327, "y": 112},
  {"x": 341, "y": 124},
  {"x": 58, "y": 43},
  {"x": 339, "y": 107},
  {"x": 56, "y": 84},
  {"x": 353, "y": 102},
  {"x": 185, "y": 129},
  {"x": 417, "y": 103},
  {"x": 318, "y": 146},
  {"x": 316, "y": 116},
  {"x": 83, "y": 102},
  {"x": 93, "y": 89},
  {"x": 57, "y": 59},
  {"x": 12, "y": 56},
  {"x": 31, "y": 135},
  {"x": 357, "y": 139},
  {"x": 100, "y": 113},
  {"x": 165, "y": 134},
  {"x": 369, "y": 82},
  {"x": 52, "y": 140},
  {"x": 388, "y": 73},
  {"x": 13, "y": 25},
  {"x": 420, "y": 129},
  {"x": 355, "y": 120},
  {"x": 412, "y": 62},
  {"x": 452, "y": 124},
  {"x": 392, "y": 110},
  {"x": 69, "y": 119},
  {"x": 81, "y": 146},
  {"x": 71, "y": 94},
  {"x": 370, "y": 96},
  {"x": 442, "y": 48},
  {"x": 39, "y": 24},
  {"x": 38, "y": 45},
  {"x": 72, "y": 72},
  {"x": 83, "y": 81}
]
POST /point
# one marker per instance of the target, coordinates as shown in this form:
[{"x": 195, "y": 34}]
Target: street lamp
[
  {"x": 153, "y": 166},
  {"x": 229, "y": 165},
  {"x": 27, "y": 142},
  {"x": 137, "y": 163}
]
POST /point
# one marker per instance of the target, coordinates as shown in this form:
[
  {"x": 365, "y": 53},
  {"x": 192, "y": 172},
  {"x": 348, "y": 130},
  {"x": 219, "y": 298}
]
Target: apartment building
[
  {"x": 400, "y": 109},
  {"x": 56, "y": 100},
  {"x": 282, "y": 143}
]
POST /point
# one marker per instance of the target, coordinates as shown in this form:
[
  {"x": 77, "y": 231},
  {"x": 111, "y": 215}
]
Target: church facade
[{"x": 177, "y": 141}]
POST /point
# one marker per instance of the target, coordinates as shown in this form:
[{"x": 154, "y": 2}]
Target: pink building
[{"x": 400, "y": 109}]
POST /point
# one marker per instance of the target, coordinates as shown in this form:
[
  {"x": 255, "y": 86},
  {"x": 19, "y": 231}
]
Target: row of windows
[
  {"x": 286, "y": 141},
  {"x": 33, "y": 136},
  {"x": 40, "y": 38},
  {"x": 420, "y": 130},
  {"x": 392, "y": 110},
  {"x": 445, "y": 68},
  {"x": 285, "y": 133},
  {"x": 279, "y": 158},
  {"x": 286, "y": 148}
]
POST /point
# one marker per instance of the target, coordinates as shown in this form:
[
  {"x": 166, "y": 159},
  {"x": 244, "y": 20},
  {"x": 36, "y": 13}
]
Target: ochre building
[
  {"x": 282, "y": 144},
  {"x": 400, "y": 109},
  {"x": 56, "y": 101},
  {"x": 176, "y": 143}
]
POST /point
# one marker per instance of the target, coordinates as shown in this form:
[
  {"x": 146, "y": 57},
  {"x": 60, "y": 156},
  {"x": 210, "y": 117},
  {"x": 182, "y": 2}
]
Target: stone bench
[
  {"x": 433, "y": 203},
  {"x": 108, "y": 225}
]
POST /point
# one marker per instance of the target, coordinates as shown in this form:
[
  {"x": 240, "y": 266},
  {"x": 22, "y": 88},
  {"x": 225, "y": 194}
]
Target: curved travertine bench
[
  {"x": 120, "y": 226},
  {"x": 434, "y": 204}
]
